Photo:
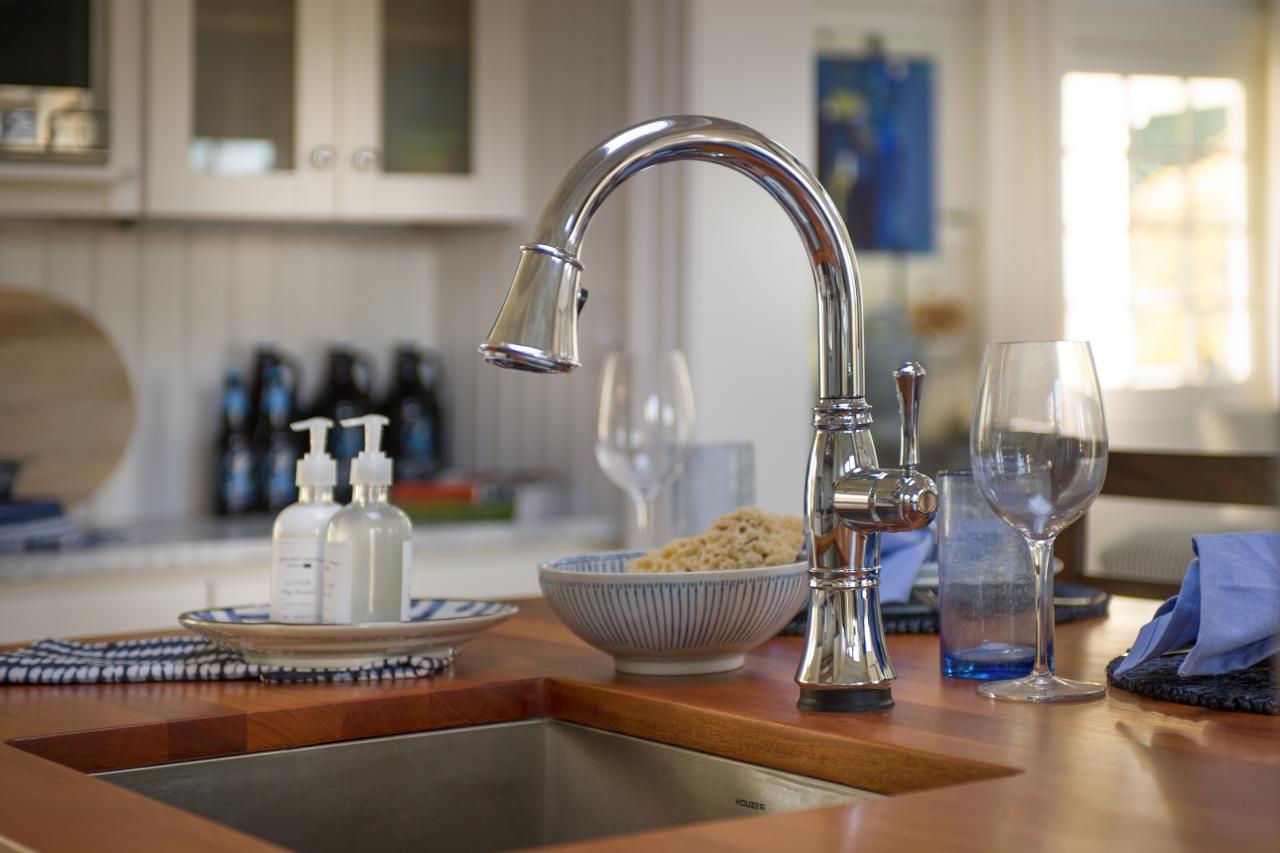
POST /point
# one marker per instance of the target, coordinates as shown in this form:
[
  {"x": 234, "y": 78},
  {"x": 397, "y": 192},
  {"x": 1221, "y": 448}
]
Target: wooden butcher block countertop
[{"x": 1123, "y": 773}]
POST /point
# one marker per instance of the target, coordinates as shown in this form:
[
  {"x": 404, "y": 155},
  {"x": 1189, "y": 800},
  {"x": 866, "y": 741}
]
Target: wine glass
[
  {"x": 1039, "y": 452},
  {"x": 644, "y": 426}
]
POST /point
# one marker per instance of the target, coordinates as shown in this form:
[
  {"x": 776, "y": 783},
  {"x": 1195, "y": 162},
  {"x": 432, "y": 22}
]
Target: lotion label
[
  {"x": 337, "y": 583},
  {"x": 297, "y": 578},
  {"x": 406, "y": 572}
]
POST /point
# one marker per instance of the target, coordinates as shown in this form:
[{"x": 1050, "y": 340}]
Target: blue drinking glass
[{"x": 986, "y": 587}]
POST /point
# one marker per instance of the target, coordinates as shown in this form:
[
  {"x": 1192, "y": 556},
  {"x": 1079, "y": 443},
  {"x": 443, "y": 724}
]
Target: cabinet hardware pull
[
  {"x": 366, "y": 158},
  {"x": 322, "y": 156}
]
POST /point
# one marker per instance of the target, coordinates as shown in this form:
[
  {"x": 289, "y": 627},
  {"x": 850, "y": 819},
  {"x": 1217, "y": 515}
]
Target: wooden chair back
[{"x": 1247, "y": 480}]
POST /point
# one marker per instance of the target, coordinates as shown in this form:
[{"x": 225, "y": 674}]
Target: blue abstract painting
[{"x": 875, "y": 149}]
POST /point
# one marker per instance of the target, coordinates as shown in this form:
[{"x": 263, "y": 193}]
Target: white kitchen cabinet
[
  {"x": 235, "y": 585},
  {"x": 83, "y": 607},
  {"x": 347, "y": 110},
  {"x": 240, "y": 108},
  {"x": 497, "y": 571},
  {"x": 432, "y": 119},
  {"x": 73, "y": 147}
]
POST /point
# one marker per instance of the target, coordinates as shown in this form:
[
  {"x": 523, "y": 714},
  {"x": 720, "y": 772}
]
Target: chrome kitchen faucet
[{"x": 849, "y": 500}]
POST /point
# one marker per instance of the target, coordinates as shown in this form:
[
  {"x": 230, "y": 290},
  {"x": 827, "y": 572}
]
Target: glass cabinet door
[
  {"x": 71, "y": 91},
  {"x": 432, "y": 111},
  {"x": 241, "y": 108},
  {"x": 243, "y": 94},
  {"x": 54, "y": 93},
  {"x": 426, "y": 86}
]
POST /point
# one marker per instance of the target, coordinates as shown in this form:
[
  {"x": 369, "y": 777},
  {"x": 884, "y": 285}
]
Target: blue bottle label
[
  {"x": 278, "y": 474},
  {"x": 235, "y": 481}
]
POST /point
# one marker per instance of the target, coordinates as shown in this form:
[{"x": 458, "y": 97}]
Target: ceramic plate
[{"x": 435, "y": 625}]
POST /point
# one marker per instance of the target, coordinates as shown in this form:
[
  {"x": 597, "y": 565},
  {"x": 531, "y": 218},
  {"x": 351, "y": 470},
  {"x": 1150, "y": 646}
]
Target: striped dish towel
[{"x": 179, "y": 658}]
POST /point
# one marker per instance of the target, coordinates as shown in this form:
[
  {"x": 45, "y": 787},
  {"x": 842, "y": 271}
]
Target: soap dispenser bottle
[
  {"x": 368, "y": 551},
  {"x": 298, "y": 537}
]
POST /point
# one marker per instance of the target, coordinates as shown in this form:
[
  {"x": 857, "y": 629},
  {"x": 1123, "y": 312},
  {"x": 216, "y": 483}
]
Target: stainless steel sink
[{"x": 481, "y": 788}]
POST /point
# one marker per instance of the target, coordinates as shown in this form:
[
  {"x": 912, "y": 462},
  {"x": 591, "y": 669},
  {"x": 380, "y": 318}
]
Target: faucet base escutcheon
[{"x": 846, "y": 701}]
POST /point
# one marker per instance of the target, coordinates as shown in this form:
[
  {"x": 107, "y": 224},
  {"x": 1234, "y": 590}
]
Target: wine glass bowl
[
  {"x": 644, "y": 426},
  {"x": 1039, "y": 453}
]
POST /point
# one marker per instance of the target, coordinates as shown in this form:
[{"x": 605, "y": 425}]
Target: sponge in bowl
[{"x": 746, "y": 539}]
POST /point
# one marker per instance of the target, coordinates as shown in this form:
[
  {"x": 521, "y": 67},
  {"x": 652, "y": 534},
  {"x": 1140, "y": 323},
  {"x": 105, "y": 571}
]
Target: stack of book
[
  {"x": 482, "y": 498},
  {"x": 35, "y": 526}
]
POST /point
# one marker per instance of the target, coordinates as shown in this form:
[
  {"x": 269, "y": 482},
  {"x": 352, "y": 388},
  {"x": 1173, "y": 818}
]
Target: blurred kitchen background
[{"x": 200, "y": 180}]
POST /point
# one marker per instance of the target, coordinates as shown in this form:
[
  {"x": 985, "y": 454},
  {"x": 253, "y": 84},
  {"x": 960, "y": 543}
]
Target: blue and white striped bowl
[{"x": 676, "y": 623}]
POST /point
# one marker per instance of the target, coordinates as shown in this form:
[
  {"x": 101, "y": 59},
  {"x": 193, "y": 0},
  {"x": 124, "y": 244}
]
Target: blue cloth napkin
[
  {"x": 901, "y": 556},
  {"x": 19, "y": 512},
  {"x": 1228, "y": 607}
]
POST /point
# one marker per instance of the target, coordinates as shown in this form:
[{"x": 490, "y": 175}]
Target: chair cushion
[{"x": 1152, "y": 556}]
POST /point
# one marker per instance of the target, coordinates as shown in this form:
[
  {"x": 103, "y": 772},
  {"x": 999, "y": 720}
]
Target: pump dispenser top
[
  {"x": 372, "y": 467},
  {"x": 317, "y": 469}
]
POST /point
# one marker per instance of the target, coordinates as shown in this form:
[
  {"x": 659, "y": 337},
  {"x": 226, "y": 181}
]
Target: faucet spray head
[{"x": 537, "y": 328}]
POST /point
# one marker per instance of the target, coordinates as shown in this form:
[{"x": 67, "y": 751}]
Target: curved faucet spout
[
  {"x": 849, "y": 500},
  {"x": 537, "y": 327}
]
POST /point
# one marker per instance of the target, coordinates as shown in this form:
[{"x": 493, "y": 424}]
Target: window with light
[{"x": 1156, "y": 228}]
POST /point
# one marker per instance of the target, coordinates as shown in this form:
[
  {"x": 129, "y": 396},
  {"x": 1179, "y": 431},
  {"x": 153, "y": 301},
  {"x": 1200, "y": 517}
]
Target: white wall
[
  {"x": 688, "y": 255},
  {"x": 1272, "y": 261},
  {"x": 999, "y": 63},
  {"x": 744, "y": 295},
  {"x": 946, "y": 32},
  {"x": 577, "y": 84},
  {"x": 750, "y": 324},
  {"x": 1028, "y": 45}
]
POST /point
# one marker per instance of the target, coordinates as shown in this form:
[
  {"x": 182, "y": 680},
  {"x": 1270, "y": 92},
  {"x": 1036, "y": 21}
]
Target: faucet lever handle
[{"x": 910, "y": 380}]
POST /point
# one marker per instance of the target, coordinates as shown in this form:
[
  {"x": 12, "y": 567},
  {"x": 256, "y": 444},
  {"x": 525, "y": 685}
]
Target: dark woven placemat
[
  {"x": 914, "y": 618},
  {"x": 1251, "y": 690}
]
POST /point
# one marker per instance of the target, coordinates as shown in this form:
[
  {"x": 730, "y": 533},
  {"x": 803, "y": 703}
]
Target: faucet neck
[{"x": 835, "y": 268}]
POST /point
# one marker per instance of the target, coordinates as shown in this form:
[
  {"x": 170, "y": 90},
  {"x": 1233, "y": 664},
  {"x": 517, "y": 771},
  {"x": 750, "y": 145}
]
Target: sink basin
[{"x": 491, "y": 787}]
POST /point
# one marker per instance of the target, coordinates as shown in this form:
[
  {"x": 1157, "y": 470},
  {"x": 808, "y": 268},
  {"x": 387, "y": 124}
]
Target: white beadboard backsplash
[{"x": 185, "y": 302}]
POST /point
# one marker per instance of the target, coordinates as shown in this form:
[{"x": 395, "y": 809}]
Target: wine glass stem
[
  {"x": 1042, "y": 559},
  {"x": 644, "y": 521}
]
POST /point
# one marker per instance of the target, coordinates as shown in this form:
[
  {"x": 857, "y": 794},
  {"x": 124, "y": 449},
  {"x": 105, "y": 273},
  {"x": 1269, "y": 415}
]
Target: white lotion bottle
[
  {"x": 298, "y": 536},
  {"x": 368, "y": 554}
]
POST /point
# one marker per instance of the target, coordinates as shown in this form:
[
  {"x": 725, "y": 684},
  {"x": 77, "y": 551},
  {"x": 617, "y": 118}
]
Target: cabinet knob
[
  {"x": 366, "y": 158},
  {"x": 322, "y": 156}
]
